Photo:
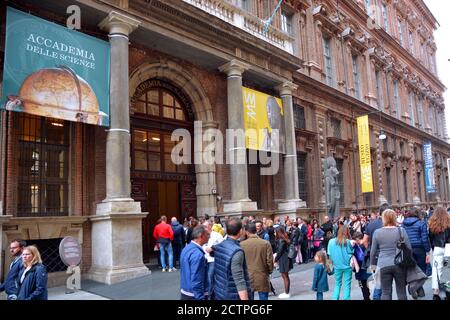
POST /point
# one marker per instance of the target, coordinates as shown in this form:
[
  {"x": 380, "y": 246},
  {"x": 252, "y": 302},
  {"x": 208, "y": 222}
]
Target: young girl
[
  {"x": 362, "y": 275},
  {"x": 321, "y": 272}
]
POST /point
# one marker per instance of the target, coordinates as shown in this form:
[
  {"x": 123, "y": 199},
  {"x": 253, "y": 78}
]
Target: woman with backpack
[
  {"x": 384, "y": 244},
  {"x": 361, "y": 258}
]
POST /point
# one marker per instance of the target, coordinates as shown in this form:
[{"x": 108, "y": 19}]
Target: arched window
[{"x": 159, "y": 111}]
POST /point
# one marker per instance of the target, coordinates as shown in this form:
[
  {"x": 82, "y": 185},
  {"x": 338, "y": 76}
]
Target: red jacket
[{"x": 163, "y": 230}]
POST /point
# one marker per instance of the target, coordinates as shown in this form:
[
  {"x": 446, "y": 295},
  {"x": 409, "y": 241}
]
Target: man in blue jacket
[
  {"x": 193, "y": 264},
  {"x": 10, "y": 285}
]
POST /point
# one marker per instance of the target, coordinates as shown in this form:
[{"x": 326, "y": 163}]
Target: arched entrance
[
  {"x": 188, "y": 92},
  {"x": 162, "y": 187}
]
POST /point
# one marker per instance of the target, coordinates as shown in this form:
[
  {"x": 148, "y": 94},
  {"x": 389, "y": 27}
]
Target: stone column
[
  {"x": 117, "y": 225},
  {"x": 291, "y": 197},
  {"x": 381, "y": 197},
  {"x": 312, "y": 48},
  {"x": 240, "y": 201}
]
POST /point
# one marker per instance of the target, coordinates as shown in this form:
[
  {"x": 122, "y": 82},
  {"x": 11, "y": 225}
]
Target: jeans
[
  {"x": 388, "y": 274},
  {"x": 338, "y": 275},
  {"x": 263, "y": 295},
  {"x": 163, "y": 248},
  {"x": 319, "y": 295},
  {"x": 377, "y": 284},
  {"x": 437, "y": 265},
  {"x": 210, "y": 278},
  {"x": 419, "y": 254}
]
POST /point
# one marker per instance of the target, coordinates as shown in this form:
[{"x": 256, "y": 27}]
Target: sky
[{"x": 441, "y": 9}]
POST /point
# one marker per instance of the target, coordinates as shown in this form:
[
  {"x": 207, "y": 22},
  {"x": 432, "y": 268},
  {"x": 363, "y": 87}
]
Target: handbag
[
  {"x": 403, "y": 257},
  {"x": 292, "y": 253}
]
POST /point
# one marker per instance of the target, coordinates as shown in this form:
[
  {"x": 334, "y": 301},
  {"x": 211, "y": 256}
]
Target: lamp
[{"x": 382, "y": 135}]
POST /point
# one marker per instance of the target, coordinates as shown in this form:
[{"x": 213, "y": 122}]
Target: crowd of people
[{"x": 234, "y": 258}]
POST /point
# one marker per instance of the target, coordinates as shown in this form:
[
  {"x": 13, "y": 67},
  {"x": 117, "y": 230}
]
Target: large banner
[
  {"x": 53, "y": 71},
  {"x": 263, "y": 121},
  {"x": 430, "y": 181},
  {"x": 365, "y": 160}
]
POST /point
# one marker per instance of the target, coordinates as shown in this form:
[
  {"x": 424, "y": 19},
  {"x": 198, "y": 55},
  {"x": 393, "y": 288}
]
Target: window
[
  {"x": 397, "y": 99},
  {"x": 327, "y": 62},
  {"x": 389, "y": 185},
  {"x": 299, "y": 117},
  {"x": 400, "y": 31},
  {"x": 433, "y": 63},
  {"x": 159, "y": 102},
  {"x": 411, "y": 42},
  {"x": 286, "y": 22},
  {"x": 152, "y": 152},
  {"x": 402, "y": 148},
  {"x": 356, "y": 81},
  {"x": 379, "y": 90},
  {"x": 411, "y": 108},
  {"x": 43, "y": 166},
  {"x": 405, "y": 185},
  {"x": 336, "y": 127},
  {"x": 340, "y": 178},
  {"x": 246, "y": 5},
  {"x": 420, "y": 111},
  {"x": 422, "y": 51},
  {"x": 301, "y": 168},
  {"x": 384, "y": 11}
]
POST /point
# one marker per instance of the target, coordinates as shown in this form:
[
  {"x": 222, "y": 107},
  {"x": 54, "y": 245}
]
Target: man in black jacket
[
  {"x": 327, "y": 228},
  {"x": 11, "y": 283},
  {"x": 178, "y": 239}
]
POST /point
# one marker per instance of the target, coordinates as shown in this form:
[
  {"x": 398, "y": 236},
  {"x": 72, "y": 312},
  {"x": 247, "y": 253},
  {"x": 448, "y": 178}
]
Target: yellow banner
[
  {"x": 365, "y": 160},
  {"x": 262, "y": 115}
]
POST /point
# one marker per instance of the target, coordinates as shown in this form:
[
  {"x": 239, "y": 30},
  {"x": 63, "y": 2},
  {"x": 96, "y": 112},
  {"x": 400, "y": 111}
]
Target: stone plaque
[{"x": 70, "y": 251}]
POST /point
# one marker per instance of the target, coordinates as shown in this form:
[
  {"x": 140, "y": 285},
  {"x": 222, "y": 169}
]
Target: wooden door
[{"x": 188, "y": 200}]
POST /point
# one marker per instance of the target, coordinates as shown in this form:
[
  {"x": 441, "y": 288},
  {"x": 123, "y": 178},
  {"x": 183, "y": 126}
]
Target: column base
[
  {"x": 290, "y": 205},
  {"x": 117, "y": 242},
  {"x": 232, "y": 207}
]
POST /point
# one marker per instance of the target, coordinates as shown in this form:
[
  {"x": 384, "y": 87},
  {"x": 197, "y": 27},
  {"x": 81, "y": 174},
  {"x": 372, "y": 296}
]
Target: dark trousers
[
  {"x": 185, "y": 297},
  {"x": 420, "y": 256},
  {"x": 387, "y": 275},
  {"x": 303, "y": 250},
  {"x": 176, "y": 252},
  {"x": 364, "y": 289}
]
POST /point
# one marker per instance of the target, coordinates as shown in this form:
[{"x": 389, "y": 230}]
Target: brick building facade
[{"x": 329, "y": 61}]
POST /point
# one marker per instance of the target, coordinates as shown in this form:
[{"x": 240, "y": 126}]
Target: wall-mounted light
[
  {"x": 156, "y": 139},
  {"x": 382, "y": 135},
  {"x": 57, "y": 124}
]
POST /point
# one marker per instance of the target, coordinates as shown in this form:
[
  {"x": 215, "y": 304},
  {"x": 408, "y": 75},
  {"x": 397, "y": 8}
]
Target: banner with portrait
[
  {"x": 52, "y": 71},
  {"x": 263, "y": 121}
]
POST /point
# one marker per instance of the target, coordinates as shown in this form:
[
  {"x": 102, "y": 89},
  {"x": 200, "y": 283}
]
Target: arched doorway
[{"x": 162, "y": 187}]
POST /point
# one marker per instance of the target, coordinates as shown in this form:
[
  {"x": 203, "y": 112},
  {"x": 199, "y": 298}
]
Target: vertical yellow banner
[{"x": 365, "y": 161}]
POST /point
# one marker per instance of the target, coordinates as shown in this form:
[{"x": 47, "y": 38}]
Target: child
[
  {"x": 321, "y": 270},
  {"x": 361, "y": 275}
]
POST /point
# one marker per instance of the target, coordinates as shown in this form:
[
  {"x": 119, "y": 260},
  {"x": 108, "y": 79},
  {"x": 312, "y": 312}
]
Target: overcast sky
[{"x": 441, "y": 10}]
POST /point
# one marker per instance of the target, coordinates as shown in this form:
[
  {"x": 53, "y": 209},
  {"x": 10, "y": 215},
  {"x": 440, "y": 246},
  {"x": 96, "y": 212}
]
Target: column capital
[
  {"x": 234, "y": 68},
  {"x": 117, "y": 22},
  {"x": 286, "y": 88}
]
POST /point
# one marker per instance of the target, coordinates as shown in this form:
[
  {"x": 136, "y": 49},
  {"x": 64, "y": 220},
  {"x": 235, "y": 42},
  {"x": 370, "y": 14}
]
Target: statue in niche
[{"x": 332, "y": 193}]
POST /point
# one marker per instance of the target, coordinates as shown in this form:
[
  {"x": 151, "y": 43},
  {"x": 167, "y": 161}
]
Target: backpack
[{"x": 403, "y": 257}]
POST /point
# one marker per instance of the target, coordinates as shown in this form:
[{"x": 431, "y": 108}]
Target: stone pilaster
[
  {"x": 413, "y": 170},
  {"x": 371, "y": 96},
  {"x": 291, "y": 195},
  {"x": 240, "y": 200},
  {"x": 381, "y": 197},
  {"x": 311, "y": 38},
  {"x": 117, "y": 225}
]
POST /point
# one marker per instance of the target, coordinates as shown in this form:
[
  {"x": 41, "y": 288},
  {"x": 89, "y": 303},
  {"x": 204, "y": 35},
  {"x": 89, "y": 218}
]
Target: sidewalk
[{"x": 165, "y": 286}]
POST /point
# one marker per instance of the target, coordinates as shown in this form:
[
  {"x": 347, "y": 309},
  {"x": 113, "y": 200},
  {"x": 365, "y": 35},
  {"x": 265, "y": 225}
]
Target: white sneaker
[
  {"x": 284, "y": 296},
  {"x": 172, "y": 269},
  {"x": 164, "y": 270}
]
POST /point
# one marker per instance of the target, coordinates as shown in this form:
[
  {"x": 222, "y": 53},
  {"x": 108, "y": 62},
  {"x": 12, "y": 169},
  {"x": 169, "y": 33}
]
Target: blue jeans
[
  {"x": 338, "y": 275},
  {"x": 420, "y": 255},
  {"x": 263, "y": 295},
  {"x": 163, "y": 247},
  {"x": 210, "y": 278},
  {"x": 319, "y": 296}
]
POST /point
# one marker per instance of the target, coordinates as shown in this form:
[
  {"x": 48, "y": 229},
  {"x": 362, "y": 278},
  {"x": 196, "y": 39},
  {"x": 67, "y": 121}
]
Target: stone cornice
[{"x": 117, "y": 22}]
